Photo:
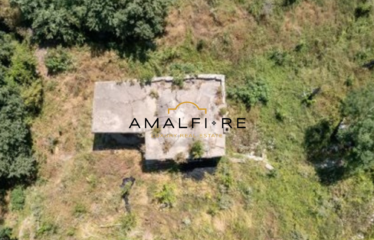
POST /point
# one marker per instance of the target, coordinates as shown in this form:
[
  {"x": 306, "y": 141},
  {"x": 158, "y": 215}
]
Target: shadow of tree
[
  {"x": 137, "y": 50},
  {"x": 324, "y": 152}
]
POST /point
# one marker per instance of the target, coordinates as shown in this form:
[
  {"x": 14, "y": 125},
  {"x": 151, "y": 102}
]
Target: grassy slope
[{"x": 77, "y": 195}]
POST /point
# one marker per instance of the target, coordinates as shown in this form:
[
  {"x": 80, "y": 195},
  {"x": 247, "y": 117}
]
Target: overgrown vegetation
[
  {"x": 166, "y": 196},
  {"x": 58, "y": 61},
  {"x": 6, "y": 233},
  {"x": 20, "y": 98},
  {"x": 197, "y": 149},
  {"x": 274, "y": 54},
  {"x": 17, "y": 198},
  {"x": 357, "y": 131},
  {"x": 22, "y": 75},
  {"x": 15, "y": 140},
  {"x": 83, "y": 21},
  {"x": 252, "y": 92}
]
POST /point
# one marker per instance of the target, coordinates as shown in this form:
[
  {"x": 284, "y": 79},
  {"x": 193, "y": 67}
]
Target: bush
[
  {"x": 5, "y": 233},
  {"x": 72, "y": 22},
  {"x": 17, "y": 198},
  {"x": 363, "y": 9},
  {"x": 6, "y": 49},
  {"x": 179, "y": 72},
  {"x": 58, "y": 61},
  {"x": 225, "y": 176},
  {"x": 33, "y": 97},
  {"x": 22, "y": 69},
  {"x": 178, "y": 81},
  {"x": 357, "y": 137},
  {"x": 166, "y": 196},
  {"x": 146, "y": 77},
  {"x": 22, "y": 75},
  {"x": 252, "y": 92},
  {"x": 16, "y": 159},
  {"x": 197, "y": 149},
  {"x": 279, "y": 57},
  {"x": 46, "y": 228}
]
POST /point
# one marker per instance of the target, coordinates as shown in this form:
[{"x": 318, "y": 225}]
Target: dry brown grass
[
  {"x": 72, "y": 175},
  {"x": 200, "y": 21}
]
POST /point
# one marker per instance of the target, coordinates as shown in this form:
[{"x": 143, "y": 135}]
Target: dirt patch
[
  {"x": 308, "y": 14},
  {"x": 204, "y": 22}
]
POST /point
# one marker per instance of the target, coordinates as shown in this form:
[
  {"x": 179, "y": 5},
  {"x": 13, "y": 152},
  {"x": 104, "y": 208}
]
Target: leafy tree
[
  {"x": 22, "y": 69},
  {"x": 357, "y": 135},
  {"x": 72, "y": 22},
  {"x": 16, "y": 159},
  {"x": 6, "y": 49},
  {"x": 6, "y": 52}
]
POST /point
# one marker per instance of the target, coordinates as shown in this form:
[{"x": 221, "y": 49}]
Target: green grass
[{"x": 245, "y": 201}]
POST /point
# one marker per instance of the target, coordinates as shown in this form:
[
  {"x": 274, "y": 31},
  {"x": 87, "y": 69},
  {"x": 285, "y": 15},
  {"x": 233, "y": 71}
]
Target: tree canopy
[
  {"x": 71, "y": 22},
  {"x": 20, "y": 96},
  {"x": 15, "y": 143},
  {"x": 357, "y": 133}
]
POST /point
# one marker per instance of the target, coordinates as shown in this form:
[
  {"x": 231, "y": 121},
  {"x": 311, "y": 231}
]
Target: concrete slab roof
[{"x": 116, "y": 104}]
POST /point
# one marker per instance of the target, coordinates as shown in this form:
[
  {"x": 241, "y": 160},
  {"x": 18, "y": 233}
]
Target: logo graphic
[{"x": 204, "y": 109}]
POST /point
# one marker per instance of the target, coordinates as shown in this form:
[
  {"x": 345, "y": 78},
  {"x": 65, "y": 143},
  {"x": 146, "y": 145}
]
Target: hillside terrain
[{"x": 294, "y": 70}]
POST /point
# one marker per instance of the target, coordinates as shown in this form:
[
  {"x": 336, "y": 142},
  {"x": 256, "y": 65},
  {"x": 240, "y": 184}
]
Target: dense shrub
[
  {"x": 22, "y": 70},
  {"x": 32, "y": 96},
  {"x": 22, "y": 75},
  {"x": 74, "y": 22},
  {"x": 16, "y": 159},
  {"x": 6, "y": 49},
  {"x": 252, "y": 92},
  {"x": 17, "y": 198},
  {"x": 358, "y": 135},
  {"x": 363, "y": 9},
  {"x": 57, "y": 61},
  {"x": 5, "y": 233}
]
